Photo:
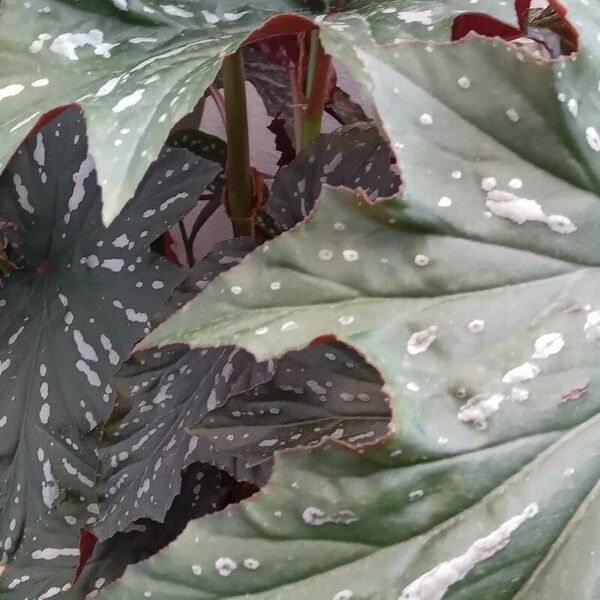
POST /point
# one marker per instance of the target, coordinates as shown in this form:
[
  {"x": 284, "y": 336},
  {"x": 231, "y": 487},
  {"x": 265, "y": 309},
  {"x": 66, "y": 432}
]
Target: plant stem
[
  {"x": 313, "y": 52},
  {"x": 240, "y": 191},
  {"x": 189, "y": 250},
  {"x": 318, "y": 85},
  {"x": 297, "y": 108}
]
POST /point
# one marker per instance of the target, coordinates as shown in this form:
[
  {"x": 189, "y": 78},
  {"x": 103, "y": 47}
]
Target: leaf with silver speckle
[
  {"x": 159, "y": 395},
  {"x": 136, "y": 67},
  {"x": 82, "y": 295},
  {"x": 327, "y": 391},
  {"x": 355, "y": 156}
]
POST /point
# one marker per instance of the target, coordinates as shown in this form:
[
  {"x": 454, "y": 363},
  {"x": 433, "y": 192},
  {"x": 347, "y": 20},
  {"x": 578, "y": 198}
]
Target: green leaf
[
  {"x": 138, "y": 66},
  {"x": 79, "y": 300},
  {"x": 477, "y": 301},
  {"x": 315, "y": 394}
]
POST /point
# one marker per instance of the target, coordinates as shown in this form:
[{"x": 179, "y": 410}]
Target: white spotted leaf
[
  {"x": 323, "y": 392},
  {"x": 489, "y": 484},
  {"x": 80, "y": 297},
  {"x": 138, "y": 66}
]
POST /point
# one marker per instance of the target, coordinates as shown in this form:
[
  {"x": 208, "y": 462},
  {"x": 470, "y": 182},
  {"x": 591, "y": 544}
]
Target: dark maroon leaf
[
  {"x": 327, "y": 391},
  {"x": 81, "y": 297},
  {"x": 355, "y": 156},
  {"x": 161, "y": 393}
]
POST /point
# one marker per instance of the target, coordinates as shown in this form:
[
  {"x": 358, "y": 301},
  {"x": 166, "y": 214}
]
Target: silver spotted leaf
[
  {"x": 327, "y": 391},
  {"x": 355, "y": 156},
  {"x": 159, "y": 394},
  {"x": 205, "y": 146},
  {"x": 82, "y": 295},
  {"x": 45, "y": 563},
  {"x": 200, "y": 495},
  {"x": 477, "y": 297},
  {"x": 136, "y": 67}
]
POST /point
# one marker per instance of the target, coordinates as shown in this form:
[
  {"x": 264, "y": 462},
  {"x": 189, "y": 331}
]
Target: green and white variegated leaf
[
  {"x": 138, "y": 66},
  {"x": 323, "y": 392},
  {"x": 81, "y": 297},
  {"x": 477, "y": 298},
  {"x": 356, "y": 156},
  {"x": 159, "y": 395}
]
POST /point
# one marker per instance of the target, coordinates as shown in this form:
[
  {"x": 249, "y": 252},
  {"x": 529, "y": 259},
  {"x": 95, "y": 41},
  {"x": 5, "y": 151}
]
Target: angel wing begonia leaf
[
  {"x": 476, "y": 297},
  {"x": 82, "y": 295},
  {"x": 138, "y": 66}
]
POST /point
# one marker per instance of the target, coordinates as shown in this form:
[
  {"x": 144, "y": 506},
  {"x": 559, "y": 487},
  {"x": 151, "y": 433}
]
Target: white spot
[
  {"x": 415, "y": 495},
  {"x": 84, "y": 171},
  {"x": 175, "y": 11},
  {"x": 211, "y": 18},
  {"x": 225, "y": 566},
  {"x": 591, "y": 328},
  {"x": 573, "y": 106},
  {"x": 44, "y": 413},
  {"x": 421, "y": 260},
  {"x": 4, "y": 365},
  {"x": 434, "y": 584},
  {"x": 416, "y": 16},
  {"x": 464, "y": 82},
  {"x": 39, "y": 153},
  {"x": 113, "y": 264},
  {"x": 523, "y": 372},
  {"x": 346, "y": 320},
  {"x": 513, "y": 115},
  {"x": 421, "y": 340},
  {"x": 92, "y": 376},
  {"x": 113, "y": 357},
  {"x": 476, "y": 326},
  {"x": 488, "y": 184},
  {"x": 251, "y": 563},
  {"x": 548, "y": 344},
  {"x": 40, "y": 83},
  {"x": 593, "y": 138},
  {"x": 13, "y": 338},
  {"x": 11, "y": 90},
  {"x": 350, "y": 255},
  {"x": 332, "y": 164},
  {"x": 479, "y": 408},
  {"x": 236, "y": 290},
  {"x": 108, "y": 87},
  {"x": 128, "y": 101},
  {"x": 197, "y": 570},
  {"x": 509, "y": 206},
  {"x": 86, "y": 351},
  {"x": 121, "y": 241},
  {"x": 317, "y": 517},
  {"x": 143, "y": 40},
  {"x": 343, "y": 595},
  {"x": 52, "y": 553},
  {"x": 426, "y": 119},
  {"x": 325, "y": 254},
  {"x": 22, "y": 194},
  {"x": 515, "y": 183},
  {"x": 444, "y": 202},
  {"x": 67, "y": 43},
  {"x": 519, "y": 394}
]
